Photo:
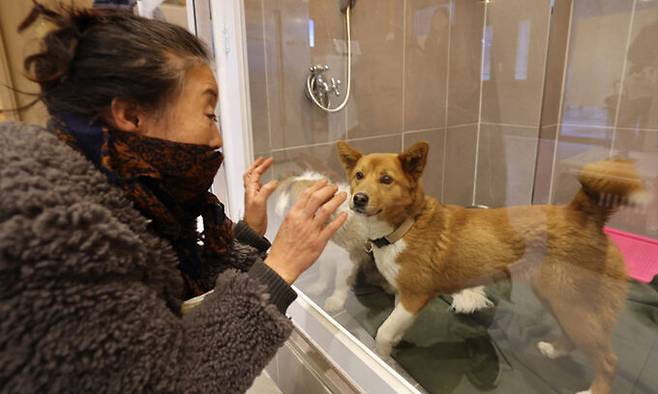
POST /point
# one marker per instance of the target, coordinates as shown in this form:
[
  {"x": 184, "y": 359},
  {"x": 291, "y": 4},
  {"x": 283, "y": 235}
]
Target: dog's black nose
[{"x": 360, "y": 200}]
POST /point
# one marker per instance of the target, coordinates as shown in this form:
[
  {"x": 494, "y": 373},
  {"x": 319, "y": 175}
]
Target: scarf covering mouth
[{"x": 168, "y": 182}]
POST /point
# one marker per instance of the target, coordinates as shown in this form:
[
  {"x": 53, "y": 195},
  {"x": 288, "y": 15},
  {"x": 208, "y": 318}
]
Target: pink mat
[{"x": 640, "y": 253}]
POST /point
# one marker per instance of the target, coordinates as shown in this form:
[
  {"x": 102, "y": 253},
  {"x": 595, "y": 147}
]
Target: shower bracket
[
  {"x": 346, "y": 3},
  {"x": 321, "y": 87}
]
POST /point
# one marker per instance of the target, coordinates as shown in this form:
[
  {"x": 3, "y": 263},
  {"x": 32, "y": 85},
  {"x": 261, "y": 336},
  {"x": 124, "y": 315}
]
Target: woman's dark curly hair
[{"x": 93, "y": 56}]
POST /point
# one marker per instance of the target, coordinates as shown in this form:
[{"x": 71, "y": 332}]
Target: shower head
[{"x": 346, "y": 3}]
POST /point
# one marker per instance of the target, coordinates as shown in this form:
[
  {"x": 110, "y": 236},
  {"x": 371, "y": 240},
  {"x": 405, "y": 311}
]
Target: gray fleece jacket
[{"x": 90, "y": 300}]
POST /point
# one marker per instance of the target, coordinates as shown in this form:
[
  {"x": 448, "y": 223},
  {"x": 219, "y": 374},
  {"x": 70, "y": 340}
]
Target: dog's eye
[
  {"x": 359, "y": 175},
  {"x": 387, "y": 180}
]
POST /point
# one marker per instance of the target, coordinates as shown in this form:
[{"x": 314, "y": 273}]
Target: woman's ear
[
  {"x": 126, "y": 115},
  {"x": 347, "y": 155}
]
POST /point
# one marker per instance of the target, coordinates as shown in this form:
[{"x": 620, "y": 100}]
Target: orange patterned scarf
[{"x": 167, "y": 181}]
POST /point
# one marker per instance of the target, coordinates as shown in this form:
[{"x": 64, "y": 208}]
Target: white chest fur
[{"x": 386, "y": 261}]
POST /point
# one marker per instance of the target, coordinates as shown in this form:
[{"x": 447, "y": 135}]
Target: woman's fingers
[
  {"x": 252, "y": 167},
  {"x": 332, "y": 227},
  {"x": 324, "y": 213},
  {"x": 251, "y": 178},
  {"x": 262, "y": 166},
  {"x": 319, "y": 198},
  {"x": 306, "y": 194},
  {"x": 258, "y": 168},
  {"x": 267, "y": 190}
]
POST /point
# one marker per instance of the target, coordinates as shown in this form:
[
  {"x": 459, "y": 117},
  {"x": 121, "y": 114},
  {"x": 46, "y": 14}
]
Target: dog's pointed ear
[
  {"x": 347, "y": 155},
  {"x": 414, "y": 159}
]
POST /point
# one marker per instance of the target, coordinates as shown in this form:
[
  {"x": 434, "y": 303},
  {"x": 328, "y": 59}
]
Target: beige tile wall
[
  {"x": 416, "y": 75},
  {"x": 506, "y": 164},
  {"x": 610, "y": 102},
  {"x": 552, "y": 93},
  {"x": 400, "y": 86},
  {"x": 517, "y": 40},
  {"x": 555, "y": 66},
  {"x": 459, "y": 164},
  {"x": 465, "y": 62}
]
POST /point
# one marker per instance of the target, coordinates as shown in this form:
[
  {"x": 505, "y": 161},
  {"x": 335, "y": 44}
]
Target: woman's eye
[
  {"x": 387, "y": 180},
  {"x": 212, "y": 117},
  {"x": 359, "y": 175}
]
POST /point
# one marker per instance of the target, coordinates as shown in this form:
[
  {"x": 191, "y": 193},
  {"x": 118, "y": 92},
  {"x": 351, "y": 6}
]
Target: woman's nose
[{"x": 217, "y": 140}]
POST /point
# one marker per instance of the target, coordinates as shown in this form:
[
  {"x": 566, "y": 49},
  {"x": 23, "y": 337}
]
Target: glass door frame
[{"x": 221, "y": 24}]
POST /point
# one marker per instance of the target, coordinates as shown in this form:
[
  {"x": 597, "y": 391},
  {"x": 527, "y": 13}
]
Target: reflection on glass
[
  {"x": 522, "y": 51},
  {"x": 596, "y": 323},
  {"x": 488, "y": 41}
]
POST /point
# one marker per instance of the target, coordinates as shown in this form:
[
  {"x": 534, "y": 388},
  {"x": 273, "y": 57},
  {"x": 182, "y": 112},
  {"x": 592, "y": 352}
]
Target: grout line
[
  {"x": 346, "y": 110},
  {"x": 551, "y": 19},
  {"x": 623, "y": 77},
  {"x": 445, "y": 117},
  {"x": 346, "y": 121},
  {"x": 374, "y": 136},
  {"x": 547, "y": 125},
  {"x": 443, "y": 164},
  {"x": 287, "y": 148},
  {"x": 404, "y": 66},
  {"x": 593, "y": 126},
  {"x": 511, "y": 125},
  {"x": 477, "y": 134},
  {"x": 423, "y": 130},
  {"x": 267, "y": 85},
  {"x": 560, "y": 109}
]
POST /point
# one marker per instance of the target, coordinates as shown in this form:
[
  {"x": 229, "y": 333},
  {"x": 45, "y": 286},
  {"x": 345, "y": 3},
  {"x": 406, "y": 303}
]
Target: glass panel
[
  {"x": 173, "y": 11},
  {"x": 514, "y": 97}
]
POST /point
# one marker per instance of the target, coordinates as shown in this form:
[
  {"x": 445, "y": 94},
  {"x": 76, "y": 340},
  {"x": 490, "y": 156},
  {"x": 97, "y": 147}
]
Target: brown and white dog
[
  {"x": 562, "y": 251},
  {"x": 352, "y": 238}
]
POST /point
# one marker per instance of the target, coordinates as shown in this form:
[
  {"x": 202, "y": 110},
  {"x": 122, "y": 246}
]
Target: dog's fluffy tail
[
  {"x": 289, "y": 190},
  {"x": 607, "y": 185}
]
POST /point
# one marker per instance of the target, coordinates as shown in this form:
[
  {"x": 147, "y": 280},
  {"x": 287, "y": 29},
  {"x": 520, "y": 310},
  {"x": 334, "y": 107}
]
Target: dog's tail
[
  {"x": 290, "y": 187},
  {"x": 607, "y": 185}
]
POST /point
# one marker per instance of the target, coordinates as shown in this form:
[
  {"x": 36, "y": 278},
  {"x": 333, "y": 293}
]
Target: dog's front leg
[
  {"x": 396, "y": 324},
  {"x": 345, "y": 277}
]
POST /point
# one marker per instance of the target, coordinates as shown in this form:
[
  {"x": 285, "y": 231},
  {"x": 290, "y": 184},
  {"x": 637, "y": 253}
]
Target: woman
[{"x": 98, "y": 239}]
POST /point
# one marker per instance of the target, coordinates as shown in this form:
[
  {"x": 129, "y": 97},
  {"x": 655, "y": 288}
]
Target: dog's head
[{"x": 385, "y": 185}]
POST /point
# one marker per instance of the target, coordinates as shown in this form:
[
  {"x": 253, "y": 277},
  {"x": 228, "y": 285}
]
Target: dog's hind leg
[
  {"x": 589, "y": 329},
  {"x": 556, "y": 349},
  {"x": 396, "y": 324},
  {"x": 560, "y": 347}
]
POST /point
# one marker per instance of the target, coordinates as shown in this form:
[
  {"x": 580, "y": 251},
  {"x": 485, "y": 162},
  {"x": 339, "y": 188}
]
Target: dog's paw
[
  {"x": 470, "y": 300},
  {"x": 384, "y": 348},
  {"x": 549, "y": 351},
  {"x": 334, "y": 303},
  {"x": 589, "y": 391}
]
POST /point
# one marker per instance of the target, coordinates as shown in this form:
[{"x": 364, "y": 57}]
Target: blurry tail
[
  {"x": 283, "y": 196},
  {"x": 289, "y": 190},
  {"x": 607, "y": 185}
]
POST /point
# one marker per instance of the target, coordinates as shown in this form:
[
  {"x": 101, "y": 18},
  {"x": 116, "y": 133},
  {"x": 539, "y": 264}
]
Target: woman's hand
[
  {"x": 305, "y": 231},
  {"x": 255, "y": 196}
]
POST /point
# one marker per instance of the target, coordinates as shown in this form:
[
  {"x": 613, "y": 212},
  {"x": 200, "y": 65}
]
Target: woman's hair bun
[
  {"x": 92, "y": 56},
  {"x": 52, "y": 63}
]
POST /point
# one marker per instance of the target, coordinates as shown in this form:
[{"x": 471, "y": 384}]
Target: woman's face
[{"x": 191, "y": 117}]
